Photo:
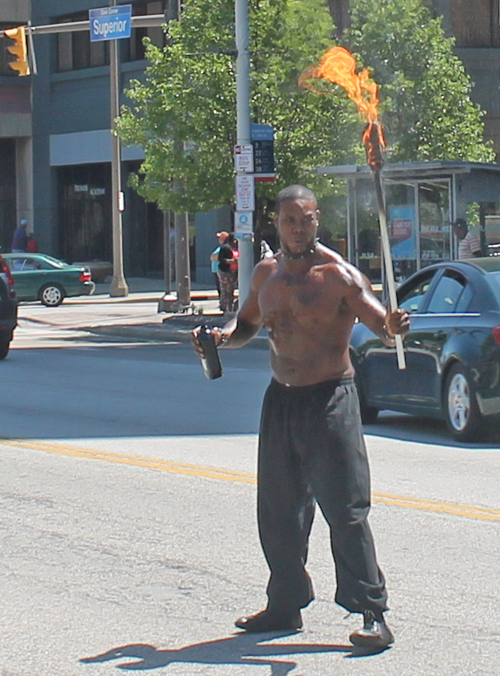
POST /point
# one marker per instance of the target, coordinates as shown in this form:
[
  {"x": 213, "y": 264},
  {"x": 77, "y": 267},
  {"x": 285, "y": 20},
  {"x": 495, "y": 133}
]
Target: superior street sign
[{"x": 110, "y": 23}]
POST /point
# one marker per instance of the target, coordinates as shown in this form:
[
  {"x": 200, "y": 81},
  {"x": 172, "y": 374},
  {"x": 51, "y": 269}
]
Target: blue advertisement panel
[
  {"x": 110, "y": 23},
  {"x": 403, "y": 241}
]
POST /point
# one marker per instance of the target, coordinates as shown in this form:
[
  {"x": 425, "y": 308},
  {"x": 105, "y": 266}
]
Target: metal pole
[
  {"x": 167, "y": 268},
  {"x": 243, "y": 130},
  {"x": 144, "y": 21},
  {"x": 182, "y": 266},
  {"x": 118, "y": 284}
]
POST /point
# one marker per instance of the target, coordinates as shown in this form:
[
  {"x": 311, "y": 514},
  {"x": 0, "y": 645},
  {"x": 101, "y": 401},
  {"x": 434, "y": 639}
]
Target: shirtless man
[{"x": 311, "y": 446}]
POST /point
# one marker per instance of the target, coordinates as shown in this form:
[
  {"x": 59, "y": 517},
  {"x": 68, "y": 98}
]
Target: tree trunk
[{"x": 339, "y": 9}]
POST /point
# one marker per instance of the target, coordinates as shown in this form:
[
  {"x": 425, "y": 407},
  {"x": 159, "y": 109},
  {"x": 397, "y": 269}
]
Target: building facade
[
  {"x": 71, "y": 140},
  {"x": 55, "y": 139},
  {"x": 16, "y": 189},
  {"x": 72, "y": 143}
]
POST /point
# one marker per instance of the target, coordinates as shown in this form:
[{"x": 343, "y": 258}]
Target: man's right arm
[{"x": 248, "y": 322}]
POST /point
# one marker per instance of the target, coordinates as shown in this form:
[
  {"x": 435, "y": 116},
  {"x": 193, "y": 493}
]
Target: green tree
[
  {"x": 184, "y": 111},
  {"x": 189, "y": 96},
  {"x": 427, "y": 110}
]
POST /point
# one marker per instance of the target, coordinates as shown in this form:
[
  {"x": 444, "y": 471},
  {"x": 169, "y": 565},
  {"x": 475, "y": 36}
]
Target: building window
[
  {"x": 475, "y": 24},
  {"x": 136, "y": 51},
  {"x": 76, "y": 51}
]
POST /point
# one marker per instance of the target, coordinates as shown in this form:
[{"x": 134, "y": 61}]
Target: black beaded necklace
[{"x": 298, "y": 256}]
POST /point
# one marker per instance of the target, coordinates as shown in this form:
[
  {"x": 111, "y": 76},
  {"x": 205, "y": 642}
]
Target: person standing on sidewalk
[
  {"x": 469, "y": 245},
  {"x": 20, "y": 238},
  {"x": 32, "y": 245},
  {"x": 311, "y": 445},
  {"x": 214, "y": 258},
  {"x": 228, "y": 273}
]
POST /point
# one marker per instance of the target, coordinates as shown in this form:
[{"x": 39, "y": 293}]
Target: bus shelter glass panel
[
  {"x": 435, "y": 227},
  {"x": 367, "y": 250},
  {"x": 489, "y": 225},
  {"x": 402, "y": 216}
]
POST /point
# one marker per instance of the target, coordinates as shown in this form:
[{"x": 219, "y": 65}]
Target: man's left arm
[
  {"x": 474, "y": 244},
  {"x": 383, "y": 322}
]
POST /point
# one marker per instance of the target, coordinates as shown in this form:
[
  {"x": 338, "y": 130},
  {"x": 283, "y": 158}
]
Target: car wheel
[
  {"x": 5, "y": 338},
  {"x": 462, "y": 413},
  {"x": 51, "y": 295}
]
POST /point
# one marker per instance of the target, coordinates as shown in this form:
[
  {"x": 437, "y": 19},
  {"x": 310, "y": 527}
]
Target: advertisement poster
[{"x": 403, "y": 244}]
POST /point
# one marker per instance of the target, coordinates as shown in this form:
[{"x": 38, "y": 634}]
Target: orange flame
[{"x": 339, "y": 66}]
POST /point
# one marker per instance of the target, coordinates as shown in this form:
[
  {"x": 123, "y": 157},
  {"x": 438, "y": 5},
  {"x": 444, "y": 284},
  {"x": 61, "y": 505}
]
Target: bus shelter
[{"x": 422, "y": 200}]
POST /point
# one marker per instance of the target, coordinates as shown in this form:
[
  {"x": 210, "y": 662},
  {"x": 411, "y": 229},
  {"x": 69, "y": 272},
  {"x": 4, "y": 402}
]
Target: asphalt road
[{"x": 128, "y": 536}]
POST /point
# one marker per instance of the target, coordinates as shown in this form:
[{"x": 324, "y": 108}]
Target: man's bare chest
[{"x": 292, "y": 300}]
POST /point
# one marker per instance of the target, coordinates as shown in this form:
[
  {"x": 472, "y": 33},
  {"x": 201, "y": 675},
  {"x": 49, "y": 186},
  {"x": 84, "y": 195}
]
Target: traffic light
[{"x": 19, "y": 49}]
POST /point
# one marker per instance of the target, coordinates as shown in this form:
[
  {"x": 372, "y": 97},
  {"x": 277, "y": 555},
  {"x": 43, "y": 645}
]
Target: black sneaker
[
  {"x": 268, "y": 620},
  {"x": 375, "y": 633}
]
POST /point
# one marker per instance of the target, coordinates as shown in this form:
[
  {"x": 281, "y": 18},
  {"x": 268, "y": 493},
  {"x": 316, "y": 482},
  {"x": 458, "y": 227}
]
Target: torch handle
[{"x": 386, "y": 254}]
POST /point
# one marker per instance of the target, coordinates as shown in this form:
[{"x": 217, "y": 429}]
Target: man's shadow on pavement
[{"x": 239, "y": 650}]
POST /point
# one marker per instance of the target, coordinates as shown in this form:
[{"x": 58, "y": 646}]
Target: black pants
[{"x": 311, "y": 449}]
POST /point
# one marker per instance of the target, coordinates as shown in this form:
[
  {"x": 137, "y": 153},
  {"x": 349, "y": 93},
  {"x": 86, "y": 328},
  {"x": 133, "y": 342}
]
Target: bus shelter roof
[{"x": 410, "y": 170}]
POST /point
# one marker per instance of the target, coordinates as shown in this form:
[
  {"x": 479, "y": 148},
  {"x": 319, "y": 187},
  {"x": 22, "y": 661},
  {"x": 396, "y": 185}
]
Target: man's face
[
  {"x": 297, "y": 223},
  {"x": 459, "y": 231}
]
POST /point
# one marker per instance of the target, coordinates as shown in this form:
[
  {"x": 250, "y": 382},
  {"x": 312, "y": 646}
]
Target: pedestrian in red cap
[{"x": 214, "y": 258}]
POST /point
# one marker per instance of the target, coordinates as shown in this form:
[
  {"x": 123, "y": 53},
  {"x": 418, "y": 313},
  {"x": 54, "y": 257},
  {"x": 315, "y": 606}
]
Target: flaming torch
[{"x": 339, "y": 67}]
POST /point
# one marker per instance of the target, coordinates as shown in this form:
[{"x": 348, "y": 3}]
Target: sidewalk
[
  {"x": 144, "y": 288},
  {"x": 151, "y": 325}
]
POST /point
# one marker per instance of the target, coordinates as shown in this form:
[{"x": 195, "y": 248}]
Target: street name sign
[{"x": 110, "y": 23}]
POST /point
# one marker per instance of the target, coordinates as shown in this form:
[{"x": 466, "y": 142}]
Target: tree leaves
[{"x": 183, "y": 113}]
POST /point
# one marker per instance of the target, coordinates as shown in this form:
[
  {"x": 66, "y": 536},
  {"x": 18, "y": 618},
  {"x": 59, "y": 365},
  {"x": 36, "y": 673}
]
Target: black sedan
[
  {"x": 452, "y": 350},
  {"x": 8, "y": 308}
]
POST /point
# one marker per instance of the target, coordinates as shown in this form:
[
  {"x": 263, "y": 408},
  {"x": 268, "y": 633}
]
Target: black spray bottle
[{"x": 211, "y": 364}]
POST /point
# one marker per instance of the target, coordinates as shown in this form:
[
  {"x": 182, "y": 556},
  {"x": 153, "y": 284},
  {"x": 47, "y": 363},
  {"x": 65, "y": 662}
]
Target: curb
[{"x": 163, "y": 333}]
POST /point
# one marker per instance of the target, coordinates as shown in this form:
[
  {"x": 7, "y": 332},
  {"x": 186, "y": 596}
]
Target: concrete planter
[{"x": 98, "y": 269}]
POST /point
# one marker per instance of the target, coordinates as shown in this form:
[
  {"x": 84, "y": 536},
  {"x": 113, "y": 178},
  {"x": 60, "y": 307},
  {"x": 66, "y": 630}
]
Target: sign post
[
  {"x": 113, "y": 23},
  {"x": 245, "y": 196}
]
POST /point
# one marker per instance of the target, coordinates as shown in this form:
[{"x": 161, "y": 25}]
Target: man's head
[
  {"x": 24, "y": 223},
  {"x": 296, "y": 219},
  {"x": 459, "y": 228},
  {"x": 222, "y": 236}
]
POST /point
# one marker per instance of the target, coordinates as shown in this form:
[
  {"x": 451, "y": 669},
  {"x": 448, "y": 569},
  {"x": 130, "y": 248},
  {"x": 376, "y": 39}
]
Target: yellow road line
[
  {"x": 435, "y": 506},
  {"x": 134, "y": 460}
]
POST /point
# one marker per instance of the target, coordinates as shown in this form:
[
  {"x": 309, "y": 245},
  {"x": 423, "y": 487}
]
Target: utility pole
[
  {"x": 167, "y": 254},
  {"x": 118, "y": 285},
  {"x": 181, "y": 224},
  {"x": 243, "y": 134}
]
